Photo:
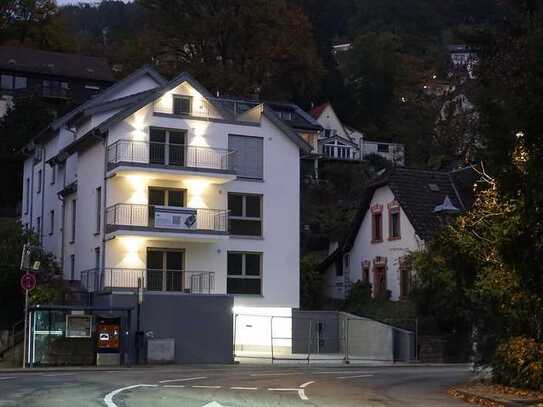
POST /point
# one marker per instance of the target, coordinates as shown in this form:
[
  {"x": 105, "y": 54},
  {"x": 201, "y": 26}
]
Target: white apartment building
[{"x": 162, "y": 183}]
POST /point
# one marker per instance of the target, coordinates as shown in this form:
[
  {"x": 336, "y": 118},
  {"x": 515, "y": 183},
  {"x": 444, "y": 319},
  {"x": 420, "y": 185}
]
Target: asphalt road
[{"x": 229, "y": 386}]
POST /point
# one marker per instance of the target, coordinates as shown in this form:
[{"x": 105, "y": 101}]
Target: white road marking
[
  {"x": 355, "y": 377},
  {"x": 58, "y": 374},
  {"x": 108, "y": 399},
  {"x": 273, "y": 374},
  {"x": 283, "y": 389},
  {"x": 206, "y": 387},
  {"x": 306, "y": 384},
  {"x": 7, "y": 378},
  {"x": 244, "y": 388},
  {"x": 301, "y": 394},
  {"x": 183, "y": 380},
  {"x": 213, "y": 404},
  {"x": 341, "y": 371},
  {"x": 175, "y": 386}
]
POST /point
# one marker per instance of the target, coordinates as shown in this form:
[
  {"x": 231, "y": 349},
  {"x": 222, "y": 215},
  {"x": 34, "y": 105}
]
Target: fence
[
  {"x": 195, "y": 282},
  {"x": 169, "y": 154},
  {"x": 323, "y": 335},
  {"x": 182, "y": 219}
]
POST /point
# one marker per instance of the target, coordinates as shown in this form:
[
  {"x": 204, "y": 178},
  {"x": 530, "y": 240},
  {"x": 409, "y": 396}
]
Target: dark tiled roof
[
  {"x": 55, "y": 63},
  {"x": 419, "y": 192}
]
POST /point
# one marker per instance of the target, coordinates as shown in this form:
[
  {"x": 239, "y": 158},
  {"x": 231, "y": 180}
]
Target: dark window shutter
[{"x": 248, "y": 159}]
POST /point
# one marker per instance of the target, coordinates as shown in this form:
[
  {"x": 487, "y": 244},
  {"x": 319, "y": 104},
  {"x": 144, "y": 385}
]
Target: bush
[{"x": 518, "y": 362}]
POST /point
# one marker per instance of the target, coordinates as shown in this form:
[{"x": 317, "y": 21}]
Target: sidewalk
[
  {"x": 259, "y": 363},
  {"x": 496, "y": 396}
]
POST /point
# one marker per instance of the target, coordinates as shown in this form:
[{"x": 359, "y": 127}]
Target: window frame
[
  {"x": 394, "y": 211},
  {"x": 182, "y": 97},
  {"x": 243, "y": 275},
  {"x": 53, "y": 175},
  {"x": 74, "y": 220},
  {"x": 165, "y": 191},
  {"x": 376, "y": 226},
  {"x": 51, "y": 222},
  {"x": 40, "y": 177},
  {"x": 98, "y": 210},
  {"x": 244, "y": 217}
]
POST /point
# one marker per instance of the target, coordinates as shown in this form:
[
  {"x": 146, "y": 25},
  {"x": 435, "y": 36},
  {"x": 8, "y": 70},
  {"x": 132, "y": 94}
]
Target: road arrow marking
[
  {"x": 108, "y": 399},
  {"x": 213, "y": 404}
]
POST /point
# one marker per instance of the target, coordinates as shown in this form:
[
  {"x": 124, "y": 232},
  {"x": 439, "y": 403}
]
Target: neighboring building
[
  {"x": 463, "y": 58},
  {"x": 340, "y": 142},
  {"x": 161, "y": 181},
  {"x": 52, "y": 75},
  {"x": 401, "y": 210}
]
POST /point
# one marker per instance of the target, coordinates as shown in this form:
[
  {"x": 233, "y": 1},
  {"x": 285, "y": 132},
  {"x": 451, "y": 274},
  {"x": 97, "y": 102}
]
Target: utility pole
[{"x": 25, "y": 265}]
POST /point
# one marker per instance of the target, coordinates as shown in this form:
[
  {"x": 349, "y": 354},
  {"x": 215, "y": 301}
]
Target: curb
[{"x": 486, "y": 401}]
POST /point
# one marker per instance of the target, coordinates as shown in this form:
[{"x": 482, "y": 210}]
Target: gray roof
[
  {"x": 55, "y": 63},
  {"x": 419, "y": 192}
]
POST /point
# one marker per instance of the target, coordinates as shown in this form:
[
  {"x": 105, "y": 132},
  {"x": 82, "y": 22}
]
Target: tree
[
  {"x": 236, "y": 46},
  {"x": 33, "y": 23},
  {"x": 49, "y": 289},
  {"x": 27, "y": 117}
]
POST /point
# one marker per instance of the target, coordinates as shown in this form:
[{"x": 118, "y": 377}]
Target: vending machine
[{"x": 108, "y": 334}]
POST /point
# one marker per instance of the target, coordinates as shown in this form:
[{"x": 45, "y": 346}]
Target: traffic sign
[{"x": 28, "y": 281}]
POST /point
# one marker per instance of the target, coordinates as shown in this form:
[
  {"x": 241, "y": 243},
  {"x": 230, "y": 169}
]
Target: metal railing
[
  {"x": 193, "y": 282},
  {"x": 168, "y": 217},
  {"x": 211, "y": 108},
  {"x": 169, "y": 155}
]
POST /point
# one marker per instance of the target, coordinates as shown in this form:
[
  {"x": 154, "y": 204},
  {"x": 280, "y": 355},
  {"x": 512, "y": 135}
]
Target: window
[
  {"x": 167, "y": 147},
  {"x": 166, "y": 197},
  {"x": 248, "y": 158},
  {"x": 6, "y": 81},
  {"x": 38, "y": 227},
  {"x": 284, "y": 115},
  {"x": 97, "y": 258},
  {"x": 74, "y": 215},
  {"x": 20, "y": 82},
  {"x": 51, "y": 222},
  {"x": 245, "y": 214},
  {"x": 339, "y": 267},
  {"x": 53, "y": 175},
  {"x": 365, "y": 273},
  {"x": 377, "y": 227},
  {"x": 394, "y": 223},
  {"x": 379, "y": 281},
  {"x": 244, "y": 272},
  {"x": 382, "y": 148},
  {"x": 98, "y": 209},
  {"x": 347, "y": 260},
  {"x": 182, "y": 104},
  {"x": 27, "y": 197},
  {"x": 72, "y": 267},
  {"x": 405, "y": 278},
  {"x": 38, "y": 187}
]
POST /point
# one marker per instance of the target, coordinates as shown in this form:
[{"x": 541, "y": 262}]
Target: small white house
[
  {"x": 340, "y": 142},
  {"x": 401, "y": 210},
  {"x": 158, "y": 182}
]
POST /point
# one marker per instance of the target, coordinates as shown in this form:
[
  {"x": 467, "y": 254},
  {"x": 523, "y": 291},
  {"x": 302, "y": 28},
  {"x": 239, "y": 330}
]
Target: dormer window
[
  {"x": 394, "y": 221},
  {"x": 182, "y": 104}
]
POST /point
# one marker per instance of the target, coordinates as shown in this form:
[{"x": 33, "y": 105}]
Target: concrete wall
[
  {"x": 368, "y": 339},
  {"x": 200, "y": 324}
]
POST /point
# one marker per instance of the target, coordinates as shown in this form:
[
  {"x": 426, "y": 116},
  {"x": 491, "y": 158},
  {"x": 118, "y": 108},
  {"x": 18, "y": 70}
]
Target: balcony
[
  {"x": 171, "y": 158},
  {"x": 190, "y": 282},
  {"x": 167, "y": 221}
]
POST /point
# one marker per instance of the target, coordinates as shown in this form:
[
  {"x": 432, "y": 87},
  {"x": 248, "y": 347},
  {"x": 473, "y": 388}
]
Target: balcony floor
[
  {"x": 197, "y": 236},
  {"x": 149, "y": 171}
]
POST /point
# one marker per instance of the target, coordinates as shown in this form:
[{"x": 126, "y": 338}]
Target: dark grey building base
[{"x": 200, "y": 325}]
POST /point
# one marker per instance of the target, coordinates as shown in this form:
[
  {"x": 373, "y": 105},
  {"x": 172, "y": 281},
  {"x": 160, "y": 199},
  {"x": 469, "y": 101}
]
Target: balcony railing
[
  {"x": 212, "y": 108},
  {"x": 169, "y": 155},
  {"x": 171, "y": 218},
  {"x": 193, "y": 282}
]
